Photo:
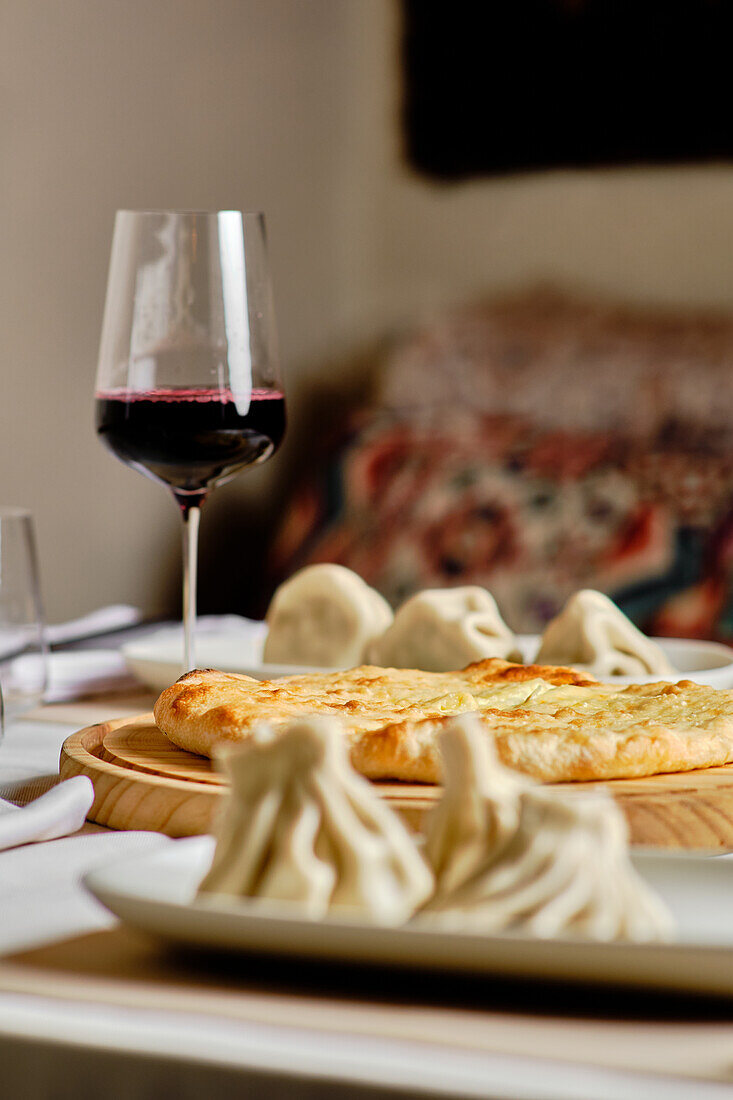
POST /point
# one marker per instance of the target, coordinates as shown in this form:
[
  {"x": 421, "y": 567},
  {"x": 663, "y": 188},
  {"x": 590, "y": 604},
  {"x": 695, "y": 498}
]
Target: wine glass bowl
[
  {"x": 190, "y": 439},
  {"x": 188, "y": 388}
]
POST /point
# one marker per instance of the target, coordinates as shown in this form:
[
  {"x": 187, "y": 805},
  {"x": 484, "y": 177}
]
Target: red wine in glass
[
  {"x": 190, "y": 439},
  {"x": 188, "y": 388}
]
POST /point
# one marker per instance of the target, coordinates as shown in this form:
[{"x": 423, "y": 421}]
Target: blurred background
[{"x": 508, "y": 356}]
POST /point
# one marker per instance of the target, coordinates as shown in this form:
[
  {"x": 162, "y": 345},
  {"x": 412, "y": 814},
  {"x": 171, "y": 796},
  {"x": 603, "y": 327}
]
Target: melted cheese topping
[{"x": 205, "y": 708}]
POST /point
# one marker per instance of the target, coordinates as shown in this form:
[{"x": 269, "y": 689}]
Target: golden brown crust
[
  {"x": 644, "y": 729},
  {"x": 392, "y": 718},
  {"x": 496, "y": 670},
  {"x": 205, "y": 707}
]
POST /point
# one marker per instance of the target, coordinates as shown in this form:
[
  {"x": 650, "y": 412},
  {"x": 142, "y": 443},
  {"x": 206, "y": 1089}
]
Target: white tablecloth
[{"x": 41, "y": 896}]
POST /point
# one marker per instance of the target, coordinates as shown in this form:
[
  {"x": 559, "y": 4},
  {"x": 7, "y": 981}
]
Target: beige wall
[
  {"x": 230, "y": 103},
  {"x": 287, "y": 105},
  {"x": 654, "y": 234}
]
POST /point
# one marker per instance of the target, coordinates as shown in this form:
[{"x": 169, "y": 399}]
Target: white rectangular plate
[{"x": 156, "y": 893}]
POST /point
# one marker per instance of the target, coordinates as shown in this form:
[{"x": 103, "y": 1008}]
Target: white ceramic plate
[
  {"x": 159, "y": 673},
  {"x": 705, "y": 662},
  {"x": 156, "y": 660},
  {"x": 156, "y": 894}
]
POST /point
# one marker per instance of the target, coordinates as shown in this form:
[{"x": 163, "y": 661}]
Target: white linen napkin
[
  {"x": 165, "y": 643},
  {"x": 86, "y": 672},
  {"x": 41, "y": 894},
  {"x": 102, "y": 668},
  {"x": 78, "y": 672},
  {"x": 59, "y": 812},
  {"x": 117, "y": 616}
]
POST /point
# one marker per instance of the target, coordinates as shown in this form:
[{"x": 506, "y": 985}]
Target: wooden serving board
[{"x": 142, "y": 781}]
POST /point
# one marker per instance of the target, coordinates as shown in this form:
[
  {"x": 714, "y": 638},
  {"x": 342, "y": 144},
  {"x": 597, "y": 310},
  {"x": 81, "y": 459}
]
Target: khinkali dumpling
[
  {"x": 443, "y": 629},
  {"x": 324, "y": 615},
  {"x": 301, "y": 826},
  {"x": 479, "y": 810},
  {"x": 591, "y": 632},
  {"x": 528, "y": 858}
]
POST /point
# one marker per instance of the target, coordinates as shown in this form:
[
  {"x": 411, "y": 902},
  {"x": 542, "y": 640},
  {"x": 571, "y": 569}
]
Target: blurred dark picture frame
[{"x": 508, "y": 86}]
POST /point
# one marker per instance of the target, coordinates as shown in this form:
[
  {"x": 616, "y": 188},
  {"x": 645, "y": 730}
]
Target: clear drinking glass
[
  {"x": 188, "y": 388},
  {"x": 23, "y": 650}
]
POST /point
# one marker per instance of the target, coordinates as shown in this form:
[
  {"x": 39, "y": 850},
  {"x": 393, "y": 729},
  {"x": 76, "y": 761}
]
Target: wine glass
[
  {"x": 188, "y": 388},
  {"x": 23, "y": 648}
]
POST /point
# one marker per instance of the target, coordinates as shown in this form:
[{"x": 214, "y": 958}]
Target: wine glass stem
[{"x": 191, "y": 516}]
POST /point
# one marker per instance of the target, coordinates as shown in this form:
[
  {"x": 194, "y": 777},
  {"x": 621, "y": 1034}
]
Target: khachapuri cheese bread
[
  {"x": 324, "y": 616},
  {"x": 553, "y": 723}
]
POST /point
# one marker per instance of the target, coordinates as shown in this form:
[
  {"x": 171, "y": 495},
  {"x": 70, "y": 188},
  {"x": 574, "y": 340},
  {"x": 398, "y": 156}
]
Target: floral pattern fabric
[{"x": 530, "y": 514}]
